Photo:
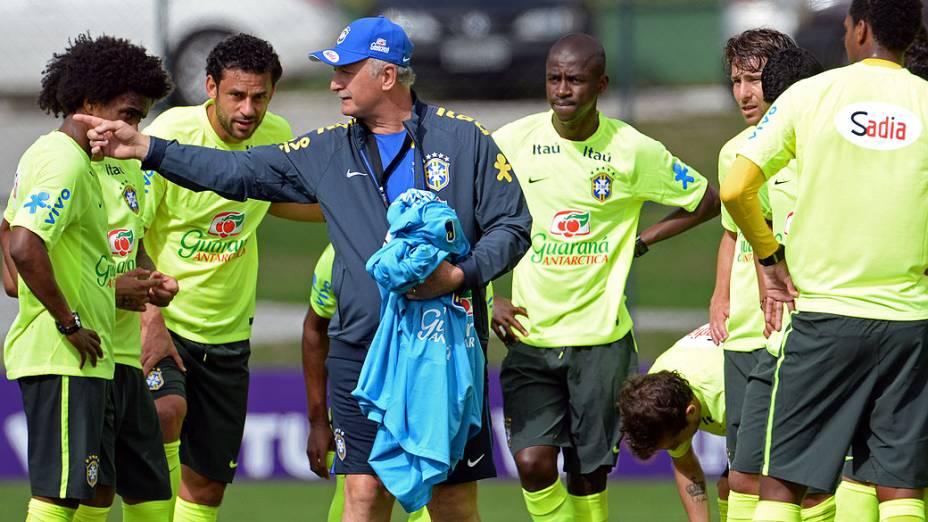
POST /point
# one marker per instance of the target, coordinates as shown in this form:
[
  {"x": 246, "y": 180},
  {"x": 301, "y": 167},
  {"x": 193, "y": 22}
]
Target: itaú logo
[{"x": 878, "y": 126}]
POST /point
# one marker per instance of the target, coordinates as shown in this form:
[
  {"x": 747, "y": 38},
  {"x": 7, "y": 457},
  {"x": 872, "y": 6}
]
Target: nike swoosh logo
[
  {"x": 233, "y": 464},
  {"x": 405, "y": 60},
  {"x": 781, "y": 182},
  {"x": 350, "y": 173},
  {"x": 472, "y": 463},
  {"x": 530, "y": 180},
  {"x": 615, "y": 450}
]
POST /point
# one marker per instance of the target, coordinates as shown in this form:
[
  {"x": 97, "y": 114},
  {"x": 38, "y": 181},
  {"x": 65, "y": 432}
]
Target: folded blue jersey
[{"x": 422, "y": 380}]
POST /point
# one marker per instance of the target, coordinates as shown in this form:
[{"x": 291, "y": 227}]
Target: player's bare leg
[
  {"x": 454, "y": 503},
  {"x": 200, "y": 490},
  {"x": 537, "y": 467},
  {"x": 366, "y": 500}
]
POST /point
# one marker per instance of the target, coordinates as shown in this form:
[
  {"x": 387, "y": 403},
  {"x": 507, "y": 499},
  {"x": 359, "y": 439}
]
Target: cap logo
[
  {"x": 341, "y": 37},
  {"x": 331, "y": 55},
  {"x": 380, "y": 45}
]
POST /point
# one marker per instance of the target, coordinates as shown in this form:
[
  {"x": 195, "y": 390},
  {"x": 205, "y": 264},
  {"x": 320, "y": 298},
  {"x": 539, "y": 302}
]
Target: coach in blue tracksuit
[{"x": 354, "y": 171}]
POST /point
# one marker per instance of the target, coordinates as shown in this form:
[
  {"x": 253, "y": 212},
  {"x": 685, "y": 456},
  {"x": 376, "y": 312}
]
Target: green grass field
[{"x": 297, "y": 501}]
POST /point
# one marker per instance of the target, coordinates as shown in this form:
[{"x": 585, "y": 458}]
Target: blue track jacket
[{"x": 422, "y": 380}]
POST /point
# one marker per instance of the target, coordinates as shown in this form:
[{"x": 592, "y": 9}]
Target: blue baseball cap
[{"x": 374, "y": 37}]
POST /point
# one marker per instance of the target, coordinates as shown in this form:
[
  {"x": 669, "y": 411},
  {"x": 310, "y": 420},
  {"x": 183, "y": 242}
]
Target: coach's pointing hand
[{"x": 116, "y": 139}]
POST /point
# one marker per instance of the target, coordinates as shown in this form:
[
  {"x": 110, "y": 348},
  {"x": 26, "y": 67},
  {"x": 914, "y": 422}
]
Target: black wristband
[
  {"x": 774, "y": 258},
  {"x": 71, "y": 328},
  {"x": 641, "y": 248}
]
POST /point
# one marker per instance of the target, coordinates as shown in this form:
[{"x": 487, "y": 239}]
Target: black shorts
[
  {"x": 70, "y": 434},
  {"x": 850, "y": 382},
  {"x": 355, "y": 433},
  {"x": 738, "y": 368},
  {"x": 567, "y": 397},
  {"x": 216, "y": 389},
  {"x": 141, "y": 467}
]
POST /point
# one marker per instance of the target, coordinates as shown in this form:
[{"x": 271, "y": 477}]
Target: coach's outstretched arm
[{"x": 264, "y": 173}]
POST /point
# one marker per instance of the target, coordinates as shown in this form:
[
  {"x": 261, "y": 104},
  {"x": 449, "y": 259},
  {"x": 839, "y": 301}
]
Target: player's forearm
[
  {"x": 153, "y": 323},
  {"x": 691, "y": 486},
  {"x": 35, "y": 268},
  {"x": 10, "y": 283},
  {"x": 315, "y": 352},
  {"x": 723, "y": 265},
  {"x": 740, "y": 196},
  {"x": 142, "y": 259},
  {"x": 680, "y": 220}
]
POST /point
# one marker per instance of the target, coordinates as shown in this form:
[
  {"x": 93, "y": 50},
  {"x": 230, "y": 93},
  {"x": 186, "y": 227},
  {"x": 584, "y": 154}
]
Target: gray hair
[{"x": 404, "y": 75}]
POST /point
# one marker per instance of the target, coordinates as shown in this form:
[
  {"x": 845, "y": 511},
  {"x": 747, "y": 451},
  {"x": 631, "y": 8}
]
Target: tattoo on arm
[{"x": 697, "y": 491}]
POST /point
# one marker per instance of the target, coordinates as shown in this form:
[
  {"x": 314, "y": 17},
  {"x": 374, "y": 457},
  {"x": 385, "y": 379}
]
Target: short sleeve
[
  {"x": 153, "y": 194},
  {"x": 680, "y": 450},
  {"x": 664, "y": 179},
  {"x": 773, "y": 143},
  {"x": 322, "y": 296},
  {"x": 51, "y": 199}
]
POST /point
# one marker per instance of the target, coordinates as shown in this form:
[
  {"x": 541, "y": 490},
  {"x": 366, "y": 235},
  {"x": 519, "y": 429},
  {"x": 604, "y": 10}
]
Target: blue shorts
[{"x": 354, "y": 433}]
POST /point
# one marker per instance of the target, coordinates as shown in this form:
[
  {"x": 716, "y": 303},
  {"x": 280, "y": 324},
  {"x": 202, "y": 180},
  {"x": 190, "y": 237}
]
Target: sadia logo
[
  {"x": 226, "y": 224},
  {"x": 570, "y": 223},
  {"x": 121, "y": 241},
  {"x": 878, "y": 126}
]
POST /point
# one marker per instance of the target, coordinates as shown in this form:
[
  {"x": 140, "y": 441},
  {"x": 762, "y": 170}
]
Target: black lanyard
[{"x": 378, "y": 174}]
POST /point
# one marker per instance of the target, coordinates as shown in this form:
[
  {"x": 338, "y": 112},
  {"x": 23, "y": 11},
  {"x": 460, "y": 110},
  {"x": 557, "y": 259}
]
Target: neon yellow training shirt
[
  {"x": 745, "y": 322},
  {"x": 585, "y": 198},
  {"x": 702, "y": 364},
  {"x": 859, "y": 237},
  {"x": 206, "y": 242},
  {"x": 57, "y": 196},
  {"x": 123, "y": 183},
  {"x": 782, "y": 191}
]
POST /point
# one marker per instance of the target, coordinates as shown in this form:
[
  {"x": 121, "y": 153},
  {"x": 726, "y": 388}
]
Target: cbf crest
[
  {"x": 437, "y": 171},
  {"x": 341, "y": 448},
  {"x": 92, "y": 463},
  {"x": 131, "y": 197},
  {"x": 155, "y": 379},
  {"x": 601, "y": 186}
]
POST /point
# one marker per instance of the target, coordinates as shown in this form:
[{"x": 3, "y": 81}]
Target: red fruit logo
[
  {"x": 570, "y": 223},
  {"x": 227, "y": 224},
  {"x": 464, "y": 302},
  {"x": 121, "y": 240}
]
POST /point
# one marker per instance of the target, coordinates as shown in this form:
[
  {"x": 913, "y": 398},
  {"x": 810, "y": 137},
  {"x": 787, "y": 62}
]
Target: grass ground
[{"x": 297, "y": 501}]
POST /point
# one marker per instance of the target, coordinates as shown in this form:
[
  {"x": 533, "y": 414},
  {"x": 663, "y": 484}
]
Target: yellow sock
[
  {"x": 902, "y": 510},
  {"x": 91, "y": 514},
  {"x": 172, "y": 454},
  {"x": 741, "y": 507},
  {"x": 420, "y": 516},
  {"x": 550, "y": 504},
  {"x": 723, "y": 509},
  {"x": 185, "y": 511},
  {"x": 40, "y": 511},
  {"x": 591, "y": 508},
  {"x": 337, "y": 507},
  {"x": 154, "y": 511},
  {"x": 856, "y": 503},
  {"x": 821, "y": 512},
  {"x": 772, "y": 511}
]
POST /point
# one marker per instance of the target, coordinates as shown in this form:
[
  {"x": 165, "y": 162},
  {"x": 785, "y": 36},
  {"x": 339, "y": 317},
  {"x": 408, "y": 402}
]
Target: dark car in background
[
  {"x": 821, "y": 31},
  {"x": 483, "y": 48}
]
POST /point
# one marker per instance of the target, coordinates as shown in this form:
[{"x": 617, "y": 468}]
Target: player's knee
[
  {"x": 201, "y": 490},
  {"x": 365, "y": 490},
  {"x": 172, "y": 410},
  {"x": 537, "y": 467},
  {"x": 745, "y": 483},
  {"x": 588, "y": 483},
  {"x": 103, "y": 497},
  {"x": 454, "y": 502}
]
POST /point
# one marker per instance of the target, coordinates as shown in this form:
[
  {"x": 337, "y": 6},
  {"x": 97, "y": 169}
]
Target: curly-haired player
[
  {"x": 683, "y": 392},
  {"x": 89, "y": 419}
]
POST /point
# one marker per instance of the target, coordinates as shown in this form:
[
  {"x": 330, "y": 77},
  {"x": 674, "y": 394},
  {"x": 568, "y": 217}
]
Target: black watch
[
  {"x": 72, "y": 328},
  {"x": 641, "y": 248},
  {"x": 774, "y": 258}
]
